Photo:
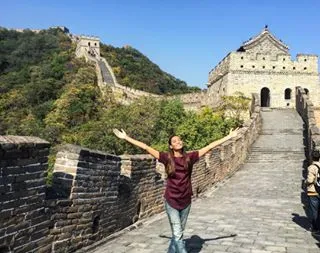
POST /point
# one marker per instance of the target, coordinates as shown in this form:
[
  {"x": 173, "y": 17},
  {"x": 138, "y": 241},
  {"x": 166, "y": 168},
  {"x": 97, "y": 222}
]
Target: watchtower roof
[{"x": 263, "y": 35}]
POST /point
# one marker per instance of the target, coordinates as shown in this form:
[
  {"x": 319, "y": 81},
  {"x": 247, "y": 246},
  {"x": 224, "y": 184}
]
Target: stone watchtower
[
  {"x": 263, "y": 65},
  {"x": 88, "y": 45}
]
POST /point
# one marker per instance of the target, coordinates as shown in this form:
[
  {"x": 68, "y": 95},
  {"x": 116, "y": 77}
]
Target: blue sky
[{"x": 185, "y": 38}]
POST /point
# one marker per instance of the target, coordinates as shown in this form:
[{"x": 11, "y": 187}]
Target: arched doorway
[{"x": 265, "y": 97}]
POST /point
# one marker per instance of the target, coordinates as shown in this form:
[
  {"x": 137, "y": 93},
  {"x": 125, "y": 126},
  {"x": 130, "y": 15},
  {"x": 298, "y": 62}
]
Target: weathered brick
[{"x": 39, "y": 234}]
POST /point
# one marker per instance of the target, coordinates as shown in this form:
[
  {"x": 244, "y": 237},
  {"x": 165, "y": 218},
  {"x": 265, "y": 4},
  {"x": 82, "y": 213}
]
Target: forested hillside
[
  {"x": 45, "y": 91},
  {"x": 135, "y": 70}
]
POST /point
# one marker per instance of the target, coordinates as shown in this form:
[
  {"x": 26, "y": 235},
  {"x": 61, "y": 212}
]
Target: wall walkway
[{"x": 259, "y": 210}]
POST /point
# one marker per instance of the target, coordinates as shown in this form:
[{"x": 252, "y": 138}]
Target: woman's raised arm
[
  {"x": 122, "y": 135},
  {"x": 207, "y": 148}
]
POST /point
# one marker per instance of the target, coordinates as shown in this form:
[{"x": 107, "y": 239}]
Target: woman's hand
[
  {"x": 233, "y": 133},
  {"x": 120, "y": 134}
]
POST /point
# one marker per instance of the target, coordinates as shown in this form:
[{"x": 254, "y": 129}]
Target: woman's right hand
[{"x": 120, "y": 134}]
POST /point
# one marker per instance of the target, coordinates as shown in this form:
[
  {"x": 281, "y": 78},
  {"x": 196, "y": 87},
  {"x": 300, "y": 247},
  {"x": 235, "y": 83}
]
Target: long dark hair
[{"x": 170, "y": 166}]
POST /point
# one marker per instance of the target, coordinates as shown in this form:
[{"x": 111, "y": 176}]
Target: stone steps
[{"x": 106, "y": 75}]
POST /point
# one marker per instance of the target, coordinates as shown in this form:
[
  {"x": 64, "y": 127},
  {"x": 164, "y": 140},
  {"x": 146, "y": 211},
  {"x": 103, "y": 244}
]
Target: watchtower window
[
  {"x": 95, "y": 44},
  {"x": 263, "y": 67},
  {"x": 241, "y": 57},
  {"x": 253, "y": 66},
  {"x": 287, "y": 94},
  {"x": 305, "y": 59},
  {"x": 263, "y": 58},
  {"x": 284, "y": 67},
  {"x": 241, "y": 66},
  {"x": 89, "y": 44},
  {"x": 305, "y": 68},
  {"x": 294, "y": 68},
  {"x": 284, "y": 59},
  {"x": 273, "y": 67}
]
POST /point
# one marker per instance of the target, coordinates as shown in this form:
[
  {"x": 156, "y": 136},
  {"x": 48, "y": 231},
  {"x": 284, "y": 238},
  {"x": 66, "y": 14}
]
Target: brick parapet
[
  {"x": 305, "y": 108},
  {"x": 93, "y": 194},
  {"x": 108, "y": 193},
  {"x": 24, "y": 219}
]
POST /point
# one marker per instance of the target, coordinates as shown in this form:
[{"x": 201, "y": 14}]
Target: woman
[
  {"x": 178, "y": 166},
  {"x": 313, "y": 195}
]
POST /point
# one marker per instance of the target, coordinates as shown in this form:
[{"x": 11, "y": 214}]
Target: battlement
[
  {"x": 21, "y": 30},
  {"x": 304, "y": 63},
  {"x": 220, "y": 70},
  {"x": 62, "y": 28},
  {"x": 282, "y": 63},
  {"x": 88, "y": 45},
  {"x": 89, "y": 37},
  {"x": 94, "y": 194},
  {"x": 264, "y": 65}
]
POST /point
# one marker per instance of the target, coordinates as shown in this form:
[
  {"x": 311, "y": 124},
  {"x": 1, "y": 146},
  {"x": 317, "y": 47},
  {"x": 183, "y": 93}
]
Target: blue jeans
[
  {"x": 314, "y": 211},
  {"x": 177, "y": 220}
]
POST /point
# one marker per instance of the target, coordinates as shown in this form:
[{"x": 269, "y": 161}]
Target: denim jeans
[
  {"x": 314, "y": 211},
  {"x": 177, "y": 220}
]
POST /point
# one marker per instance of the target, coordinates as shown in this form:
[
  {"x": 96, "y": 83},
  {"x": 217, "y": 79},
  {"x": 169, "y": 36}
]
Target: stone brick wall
[
  {"x": 193, "y": 101},
  {"x": 225, "y": 159},
  {"x": 306, "y": 109},
  {"x": 87, "y": 44},
  {"x": 250, "y": 75},
  {"x": 108, "y": 193},
  {"x": 93, "y": 194},
  {"x": 266, "y": 63},
  {"x": 126, "y": 95},
  {"x": 24, "y": 219},
  {"x": 265, "y": 47}
]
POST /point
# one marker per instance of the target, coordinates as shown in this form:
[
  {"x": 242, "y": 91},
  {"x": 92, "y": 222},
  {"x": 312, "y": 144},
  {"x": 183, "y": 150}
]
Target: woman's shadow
[{"x": 195, "y": 243}]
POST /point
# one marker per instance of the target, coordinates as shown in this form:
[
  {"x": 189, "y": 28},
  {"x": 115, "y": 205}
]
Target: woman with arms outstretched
[{"x": 178, "y": 192}]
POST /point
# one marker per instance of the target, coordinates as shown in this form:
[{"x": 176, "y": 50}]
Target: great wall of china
[{"x": 95, "y": 194}]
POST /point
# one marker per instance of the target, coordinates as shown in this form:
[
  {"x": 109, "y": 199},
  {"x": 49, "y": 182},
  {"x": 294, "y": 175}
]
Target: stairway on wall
[
  {"x": 106, "y": 75},
  {"x": 278, "y": 156},
  {"x": 281, "y": 137}
]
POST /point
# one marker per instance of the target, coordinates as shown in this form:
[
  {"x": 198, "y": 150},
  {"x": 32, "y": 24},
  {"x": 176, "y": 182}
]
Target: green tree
[{"x": 236, "y": 107}]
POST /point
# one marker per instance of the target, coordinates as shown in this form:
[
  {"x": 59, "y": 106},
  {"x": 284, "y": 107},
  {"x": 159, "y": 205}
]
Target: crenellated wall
[
  {"x": 103, "y": 194},
  {"x": 193, "y": 101},
  {"x": 248, "y": 74},
  {"x": 88, "y": 44},
  {"x": 123, "y": 94},
  {"x": 24, "y": 218},
  {"x": 264, "y": 65},
  {"x": 93, "y": 194},
  {"x": 306, "y": 109},
  {"x": 108, "y": 193}
]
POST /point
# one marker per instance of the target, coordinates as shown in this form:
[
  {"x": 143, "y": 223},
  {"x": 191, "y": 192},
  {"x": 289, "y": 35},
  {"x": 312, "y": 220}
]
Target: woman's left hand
[{"x": 233, "y": 133}]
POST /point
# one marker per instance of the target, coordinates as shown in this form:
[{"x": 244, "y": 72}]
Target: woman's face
[{"x": 176, "y": 143}]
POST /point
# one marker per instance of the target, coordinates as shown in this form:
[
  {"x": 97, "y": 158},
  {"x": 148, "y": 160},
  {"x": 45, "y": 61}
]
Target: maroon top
[{"x": 179, "y": 190}]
